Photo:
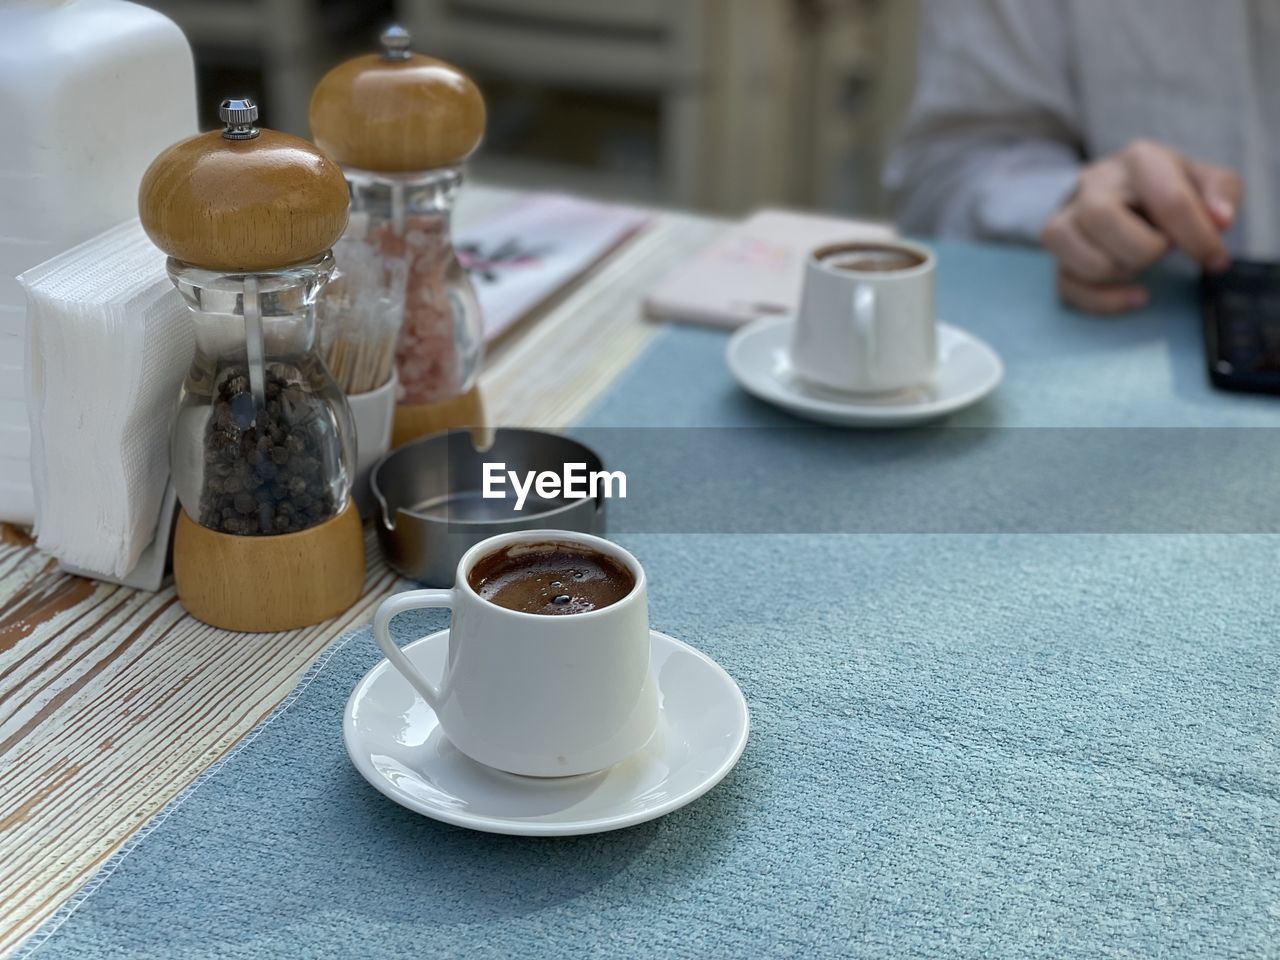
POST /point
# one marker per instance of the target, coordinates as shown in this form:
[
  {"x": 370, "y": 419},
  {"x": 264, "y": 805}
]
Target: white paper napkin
[{"x": 109, "y": 340}]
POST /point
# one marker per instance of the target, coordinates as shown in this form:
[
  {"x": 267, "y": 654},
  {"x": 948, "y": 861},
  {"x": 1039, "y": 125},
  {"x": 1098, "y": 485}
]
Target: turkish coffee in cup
[
  {"x": 866, "y": 323},
  {"x": 553, "y": 578},
  {"x": 534, "y": 684},
  {"x": 873, "y": 258}
]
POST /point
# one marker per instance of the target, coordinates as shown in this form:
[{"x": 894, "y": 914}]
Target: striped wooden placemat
[{"x": 112, "y": 700}]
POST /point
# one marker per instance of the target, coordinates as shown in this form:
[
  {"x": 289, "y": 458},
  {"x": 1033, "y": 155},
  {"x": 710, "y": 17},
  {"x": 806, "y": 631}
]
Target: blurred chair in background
[
  {"x": 722, "y": 105},
  {"x": 272, "y": 50},
  {"x": 617, "y": 90},
  {"x": 717, "y": 104}
]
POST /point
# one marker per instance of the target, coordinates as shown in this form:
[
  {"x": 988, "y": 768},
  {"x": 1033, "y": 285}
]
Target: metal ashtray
[{"x": 431, "y": 503}]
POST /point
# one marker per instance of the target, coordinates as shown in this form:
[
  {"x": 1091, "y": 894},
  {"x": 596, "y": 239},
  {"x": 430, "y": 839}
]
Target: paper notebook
[
  {"x": 754, "y": 269},
  {"x": 528, "y": 252}
]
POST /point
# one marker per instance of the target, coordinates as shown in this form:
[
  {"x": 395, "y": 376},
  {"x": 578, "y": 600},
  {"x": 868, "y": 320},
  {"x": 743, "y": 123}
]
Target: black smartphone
[{"x": 1242, "y": 326}]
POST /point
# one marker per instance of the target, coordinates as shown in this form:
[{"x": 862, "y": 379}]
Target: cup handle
[
  {"x": 864, "y": 324},
  {"x": 382, "y": 617}
]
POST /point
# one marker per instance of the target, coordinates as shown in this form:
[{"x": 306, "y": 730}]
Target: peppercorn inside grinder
[
  {"x": 261, "y": 451},
  {"x": 401, "y": 124}
]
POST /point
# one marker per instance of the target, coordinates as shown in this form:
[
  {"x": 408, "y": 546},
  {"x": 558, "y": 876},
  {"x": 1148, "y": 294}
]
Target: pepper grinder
[
  {"x": 262, "y": 446},
  {"x": 401, "y": 124}
]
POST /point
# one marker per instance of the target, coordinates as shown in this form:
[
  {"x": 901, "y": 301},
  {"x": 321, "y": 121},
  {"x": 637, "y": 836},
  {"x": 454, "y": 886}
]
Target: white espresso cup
[
  {"x": 530, "y": 693},
  {"x": 866, "y": 322}
]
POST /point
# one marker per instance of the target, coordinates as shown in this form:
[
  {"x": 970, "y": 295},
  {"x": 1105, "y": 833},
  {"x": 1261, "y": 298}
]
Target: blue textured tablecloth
[{"x": 972, "y": 746}]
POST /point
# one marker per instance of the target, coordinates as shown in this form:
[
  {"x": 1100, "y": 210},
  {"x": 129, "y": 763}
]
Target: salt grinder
[
  {"x": 401, "y": 124},
  {"x": 262, "y": 446}
]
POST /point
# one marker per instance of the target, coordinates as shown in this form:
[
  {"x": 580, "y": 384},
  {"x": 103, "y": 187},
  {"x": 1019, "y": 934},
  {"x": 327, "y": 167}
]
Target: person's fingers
[
  {"x": 1100, "y": 298},
  {"x": 1075, "y": 252},
  {"x": 1114, "y": 227},
  {"x": 1168, "y": 197},
  {"x": 1220, "y": 188}
]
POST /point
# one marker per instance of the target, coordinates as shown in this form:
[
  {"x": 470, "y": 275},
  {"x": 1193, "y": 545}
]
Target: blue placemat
[
  {"x": 1051, "y": 746},
  {"x": 1062, "y": 368}
]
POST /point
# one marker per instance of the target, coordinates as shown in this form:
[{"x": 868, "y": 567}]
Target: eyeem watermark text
[{"x": 575, "y": 483}]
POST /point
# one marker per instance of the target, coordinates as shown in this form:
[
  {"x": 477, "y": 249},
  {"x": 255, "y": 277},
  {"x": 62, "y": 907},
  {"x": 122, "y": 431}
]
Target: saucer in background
[{"x": 968, "y": 370}]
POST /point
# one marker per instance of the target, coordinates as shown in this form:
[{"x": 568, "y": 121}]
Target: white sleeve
[{"x": 990, "y": 147}]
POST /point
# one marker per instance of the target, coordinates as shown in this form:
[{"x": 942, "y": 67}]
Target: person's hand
[{"x": 1129, "y": 210}]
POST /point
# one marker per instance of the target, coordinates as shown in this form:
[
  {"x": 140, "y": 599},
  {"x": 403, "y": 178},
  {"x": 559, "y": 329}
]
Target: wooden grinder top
[
  {"x": 397, "y": 111},
  {"x": 243, "y": 199}
]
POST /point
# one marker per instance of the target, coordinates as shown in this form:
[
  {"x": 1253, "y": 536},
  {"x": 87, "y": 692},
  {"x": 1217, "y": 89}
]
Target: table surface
[
  {"x": 1116, "y": 647},
  {"x": 112, "y": 700},
  {"x": 1003, "y": 743}
]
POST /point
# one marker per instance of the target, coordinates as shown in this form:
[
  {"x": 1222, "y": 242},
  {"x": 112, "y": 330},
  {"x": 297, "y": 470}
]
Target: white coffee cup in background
[
  {"x": 866, "y": 322},
  {"x": 532, "y": 694}
]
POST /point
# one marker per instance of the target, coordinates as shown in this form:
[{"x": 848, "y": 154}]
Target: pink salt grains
[{"x": 426, "y": 358}]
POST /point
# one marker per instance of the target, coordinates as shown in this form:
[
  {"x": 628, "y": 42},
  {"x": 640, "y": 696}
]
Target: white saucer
[
  {"x": 395, "y": 741},
  {"x": 968, "y": 370}
]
